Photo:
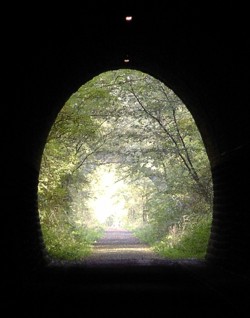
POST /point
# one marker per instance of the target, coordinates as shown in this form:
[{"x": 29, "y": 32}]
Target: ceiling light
[{"x": 128, "y": 18}]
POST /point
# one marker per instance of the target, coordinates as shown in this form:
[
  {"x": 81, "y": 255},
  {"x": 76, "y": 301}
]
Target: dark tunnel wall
[{"x": 200, "y": 52}]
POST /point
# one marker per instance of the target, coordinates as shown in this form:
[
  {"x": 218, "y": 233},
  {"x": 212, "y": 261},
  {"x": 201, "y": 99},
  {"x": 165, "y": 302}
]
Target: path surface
[
  {"x": 119, "y": 246},
  {"x": 128, "y": 271}
]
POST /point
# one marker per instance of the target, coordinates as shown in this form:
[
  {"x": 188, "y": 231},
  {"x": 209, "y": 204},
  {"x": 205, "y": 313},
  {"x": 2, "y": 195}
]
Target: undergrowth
[
  {"x": 185, "y": 240},
  {"x": 72, "y": 244}
]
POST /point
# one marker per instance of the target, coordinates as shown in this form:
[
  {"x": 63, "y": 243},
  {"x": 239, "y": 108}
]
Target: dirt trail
[{"x": 119, "y": 246}]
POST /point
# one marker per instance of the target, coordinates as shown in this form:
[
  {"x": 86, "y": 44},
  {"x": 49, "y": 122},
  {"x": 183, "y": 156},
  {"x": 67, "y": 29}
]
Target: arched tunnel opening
[
  {"x": 125, "y": 153},
  {"x": 207, "y": 66}
]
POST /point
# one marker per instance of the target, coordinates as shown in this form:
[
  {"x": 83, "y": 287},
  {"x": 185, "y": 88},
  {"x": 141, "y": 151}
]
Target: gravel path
[{"x": 119, "y": 246}]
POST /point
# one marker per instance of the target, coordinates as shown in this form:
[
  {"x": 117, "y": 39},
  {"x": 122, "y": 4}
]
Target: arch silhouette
[
  {"x": 197, "y": 53},
  {"x": 120, "y": 84}
]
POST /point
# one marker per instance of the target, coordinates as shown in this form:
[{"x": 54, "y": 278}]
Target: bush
[
  {"x": 65, "y": 244},
  {"x": 190, "y": 241}
]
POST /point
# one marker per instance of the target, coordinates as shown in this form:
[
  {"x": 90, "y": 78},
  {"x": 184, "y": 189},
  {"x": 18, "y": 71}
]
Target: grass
[
  {"x": 183, "y": 242},
  {"x": 62, "y": 244}
]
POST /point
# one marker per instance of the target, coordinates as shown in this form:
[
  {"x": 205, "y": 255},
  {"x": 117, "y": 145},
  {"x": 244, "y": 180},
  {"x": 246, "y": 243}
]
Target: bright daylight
[
  {"x": 108, "y": 205},
  {"x": 125, "y": 162}
]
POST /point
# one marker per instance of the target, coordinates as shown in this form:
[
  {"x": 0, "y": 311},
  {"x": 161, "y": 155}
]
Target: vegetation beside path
[{"x": 125, "y": 151}]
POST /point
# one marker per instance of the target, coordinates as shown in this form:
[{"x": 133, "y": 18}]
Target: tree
[{"x": 132, "y": 121}]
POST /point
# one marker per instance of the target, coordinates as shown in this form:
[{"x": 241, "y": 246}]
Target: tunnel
[{"x": 201, "y": 52}]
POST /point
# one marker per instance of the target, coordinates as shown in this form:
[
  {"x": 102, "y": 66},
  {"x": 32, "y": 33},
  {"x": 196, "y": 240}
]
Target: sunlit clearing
[
  {"x": 124, "y": 249},
  {"x": 106, "y": 202}
]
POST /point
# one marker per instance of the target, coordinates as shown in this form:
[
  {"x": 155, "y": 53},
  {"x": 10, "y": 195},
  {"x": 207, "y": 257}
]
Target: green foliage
[
  {"x": 64, "y": 243},
  {"x": 134, "y": 124},
  {"x": 186, "y": 240}
]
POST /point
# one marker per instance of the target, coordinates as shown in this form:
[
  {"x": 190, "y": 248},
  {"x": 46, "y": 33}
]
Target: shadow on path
[
  {"x": 119, "y": 246},
  {"x": 122, "y": 270}
]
